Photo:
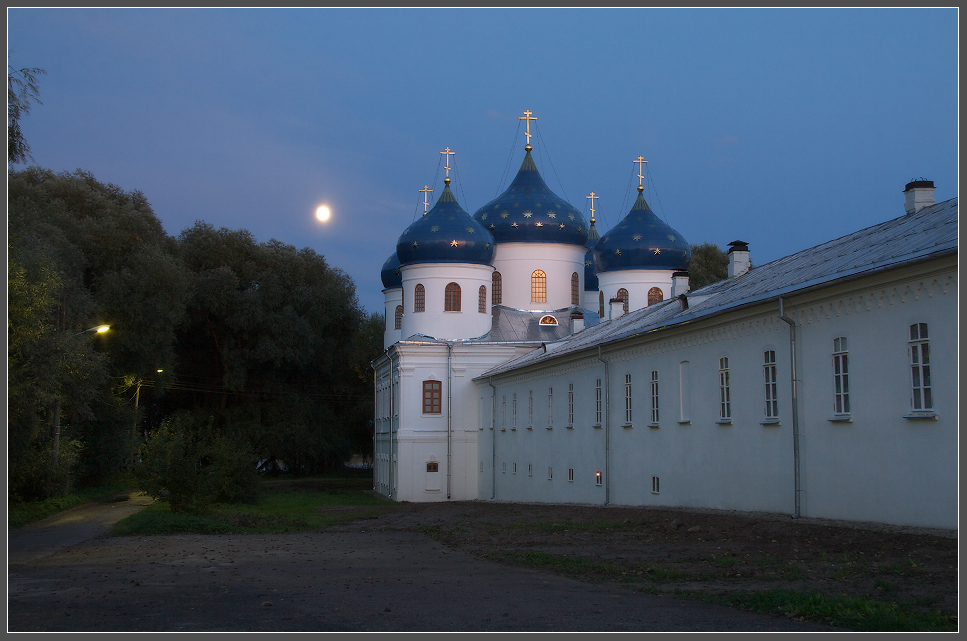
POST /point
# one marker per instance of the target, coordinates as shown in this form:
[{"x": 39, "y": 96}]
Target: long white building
[{"x": 823, "y": 384}]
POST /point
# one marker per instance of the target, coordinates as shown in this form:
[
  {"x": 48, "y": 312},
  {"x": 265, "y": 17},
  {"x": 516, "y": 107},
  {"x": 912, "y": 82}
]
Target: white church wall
[
  {"x": 516, "y": 262},
  {"x": 637, "y": 282},
  {"x": 392, "y": 298},
  {"x": 434, "y": 321}
]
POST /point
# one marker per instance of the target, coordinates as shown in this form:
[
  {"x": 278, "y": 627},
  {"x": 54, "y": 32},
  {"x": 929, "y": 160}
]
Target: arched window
[
  {"x": 601, "y": 305},
  {"x": 548, "y": 320},
  {"x": 496, "y": 291},
  {"x": 399, "y": 317},
  {"x": 538, "y": 287},
  {"x": 419, "y": 299},
  {"x": 451, "y": 301},
  {"x": 575, "y": 289},
  {"x": 482, "y": 299},
  {"x": 654, "y": 295},
  {"x": 623, "y": 295}
]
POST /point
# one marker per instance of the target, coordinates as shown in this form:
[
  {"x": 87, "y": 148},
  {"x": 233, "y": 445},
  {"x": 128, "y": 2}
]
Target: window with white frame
[
  {"x": 570, "y": 474},
  {"x": 530, "y": 469},
  {"x": 530, "y": 408},
  {"x": 597, "y": 402},
  {"x": 513, "y": 424},
  {"x": 922, "y": 394},
  {"x": 515, "y": 468},
  {"x": 725, "y": 396},
  {"x": 550, "y": 406},
  {"x": 550, "y": 474},
  {"x": 769, "y": 374},
  {"x": 627, "y": 398},
  {"x": 840, "y": 376},
  {"x": 570, "y": 403},
  {"x": 654, "y": 397},
  {"x": 503, "y": 411},
  {"x": 655, "y": 487}
]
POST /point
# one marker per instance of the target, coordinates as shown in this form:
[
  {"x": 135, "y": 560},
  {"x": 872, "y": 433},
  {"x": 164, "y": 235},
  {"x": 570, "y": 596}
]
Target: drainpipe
[
  {"x": 493, "y": 438},
  {"x": 795, "y": 401},
  {"x": 449, "y": 416},
  {"x": 607, "y": 430}
]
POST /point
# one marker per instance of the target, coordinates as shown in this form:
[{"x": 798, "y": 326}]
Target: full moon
[{"x": 322, "y": 213}]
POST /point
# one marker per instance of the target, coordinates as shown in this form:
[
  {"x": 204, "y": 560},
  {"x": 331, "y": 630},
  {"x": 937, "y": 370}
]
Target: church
[{"x": 530, "y": 359}]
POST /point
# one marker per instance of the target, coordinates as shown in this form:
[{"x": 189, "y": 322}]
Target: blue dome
[
  {"x": 590, "y": 272},
  {"x": 392, "y": 279},
  {"x": 641, "y": 241},
  {"x": 529, "y": 212},
  {"x": 445, "y": 234}
]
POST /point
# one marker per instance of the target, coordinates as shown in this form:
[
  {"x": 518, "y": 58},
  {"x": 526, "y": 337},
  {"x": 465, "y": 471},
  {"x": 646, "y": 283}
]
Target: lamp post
[{"x": 100, "y": 329}]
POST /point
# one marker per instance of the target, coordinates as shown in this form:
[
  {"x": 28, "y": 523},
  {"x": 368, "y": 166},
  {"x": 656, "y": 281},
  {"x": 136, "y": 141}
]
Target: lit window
[
  {"x": 452, "y": 298},
  {"x": 769, "y": 373},
  {"x": 419, "y": 299},
  {"x": 597, "y": 402},
  {"x": 575, "y": 289},
  {"x": 627, "y": 398},
  {"x": 570, "y": 403},
  {"x": 548, "y": 320},
  {"x": 431, "y": 397},
  {"x": 654, "y": 397},
  {"x": 922, "y": 398},
  {"x": 725, "y": 400},
  {"x": 654, "y": 296},
  {"x": 597, "y": 478},
  {"x": 399, "y": 317},
  {"x": 538, "y": 287},
  {"x": 623, "y": 295},
  {"x": 482, "y": 299},
  {"x": 496, "y": 289},
  {"x": 840, "y": 376}
]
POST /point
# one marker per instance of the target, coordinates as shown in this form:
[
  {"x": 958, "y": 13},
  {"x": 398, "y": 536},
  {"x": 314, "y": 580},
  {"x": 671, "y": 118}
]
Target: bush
[
  {"x": 33, "y": 475},
  {"x": 189, "y": 465}
]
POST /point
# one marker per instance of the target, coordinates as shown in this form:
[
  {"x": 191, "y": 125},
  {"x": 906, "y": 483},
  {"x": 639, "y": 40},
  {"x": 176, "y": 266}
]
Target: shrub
[{"x": 189, "y": 465}]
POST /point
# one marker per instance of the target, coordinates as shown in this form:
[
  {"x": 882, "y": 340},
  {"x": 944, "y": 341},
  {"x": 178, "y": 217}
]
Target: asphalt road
[{"x": 66, "y": 575}]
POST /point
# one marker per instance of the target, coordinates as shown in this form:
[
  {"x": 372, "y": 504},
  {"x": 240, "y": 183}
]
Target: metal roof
[{"x": 929, "y": 233}]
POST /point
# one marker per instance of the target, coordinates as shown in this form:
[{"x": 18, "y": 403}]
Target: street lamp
[{"x": 100, "y": 329}]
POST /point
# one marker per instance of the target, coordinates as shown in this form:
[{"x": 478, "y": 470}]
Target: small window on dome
[
  {"x": 654, "y": 295},
  {"x": 623, "y": 295},
  {"x": 538, "y": 287},
  {"x": 451, "y": 301},
  {"x": 548, "y": 320},
  {"x": 482, "y": 300},
  {"x": 419, "y": 298},
  {"x": 575, "y": 289},
  {"x": 496, "y": 291},
  {"x": 399, "y": 317}
]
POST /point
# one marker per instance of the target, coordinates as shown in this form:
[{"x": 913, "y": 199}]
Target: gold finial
[
  {"x": 425, "y": 189},
  {"x": 527, "y": 118},
  {"x": 641, "y": 162},
  {"x": 446, "y": 154},
  {"x": 592, "y": 197}
]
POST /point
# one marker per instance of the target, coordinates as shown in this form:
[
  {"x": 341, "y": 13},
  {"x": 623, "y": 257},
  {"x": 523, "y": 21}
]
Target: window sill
[
  {"x": 840, "y": 418},
  {"x": 627, "y": 425},
  {"x": 569, "y": 427},
  {"x": 597, "y": 426},
  {"x": 549, "y": 427},
  {"x": 503, "y": 429},
  {"x": 724, "y": 421},
  {"x": 513, "y": 429},
  {"x": 654, "y": 426},
  {"x": 684, "y": 422},
  {"x": 770, "y": 421},
  {"x": 530, "y": 427},
  {"x": 922, "y": 416}
]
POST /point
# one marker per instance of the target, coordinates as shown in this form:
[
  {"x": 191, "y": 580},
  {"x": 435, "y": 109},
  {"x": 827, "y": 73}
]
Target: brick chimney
[
  {"x": 919, "y": 195},
  {"x": 739, "y": 262}
]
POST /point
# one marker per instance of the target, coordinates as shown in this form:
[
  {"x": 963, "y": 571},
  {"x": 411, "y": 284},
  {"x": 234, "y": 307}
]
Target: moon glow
[{"x": 322, "y": 213}]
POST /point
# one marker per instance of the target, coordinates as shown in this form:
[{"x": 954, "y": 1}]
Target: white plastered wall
[
  {"x": 392, "y": 298},
  {"x": 516, "y": 262},
  {"x": 637, "y": 282},
  {"x": 469, "y": 322}
]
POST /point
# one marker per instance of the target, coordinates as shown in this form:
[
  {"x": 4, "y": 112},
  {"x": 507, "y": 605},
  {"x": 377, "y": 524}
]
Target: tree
[
  {"x": 709, "y": 264},
  {"x": 22, "y": 90}
]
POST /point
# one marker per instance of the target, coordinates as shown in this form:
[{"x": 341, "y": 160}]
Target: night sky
[{"x": 782, "y": 128}]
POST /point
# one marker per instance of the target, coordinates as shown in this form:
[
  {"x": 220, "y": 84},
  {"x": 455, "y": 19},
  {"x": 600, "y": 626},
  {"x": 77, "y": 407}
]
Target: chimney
[
  {"x": 679, "y": 283},
  {"x": 577, "y": 322},
  {"x": 739, "y": 262},
  {"x": 919, "y": 195},
  {"x": 616, "y": 308}
]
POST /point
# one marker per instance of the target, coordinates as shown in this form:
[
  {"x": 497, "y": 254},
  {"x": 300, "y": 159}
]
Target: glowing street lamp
[{"x": 99, "y": 329}]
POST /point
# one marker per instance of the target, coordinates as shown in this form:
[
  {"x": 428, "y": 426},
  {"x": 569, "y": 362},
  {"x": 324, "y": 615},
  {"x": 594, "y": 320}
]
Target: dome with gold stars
[
  {"x": 529, "y": 212},
  {"x": 445, "y": 234},
  {"x": 641, "y": 241},
  {"x": 390, "y": 274}
]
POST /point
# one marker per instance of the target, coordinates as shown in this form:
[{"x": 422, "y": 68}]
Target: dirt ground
[{"x": 477, "y": 566}]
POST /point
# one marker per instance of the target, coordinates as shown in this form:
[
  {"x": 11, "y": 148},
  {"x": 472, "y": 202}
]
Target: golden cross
[
  {"x": 592, "y": 197},
  {"x": 425, "y": 189},
  {"x": 527, "y": 118},
  {"x": 446, "y": 154},
  {"x": 641, "y": 163}
]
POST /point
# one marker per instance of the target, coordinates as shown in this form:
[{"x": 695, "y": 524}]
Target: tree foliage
[
  {"x": 709, "y": 264},
  {"x": 22, "y": 90}
]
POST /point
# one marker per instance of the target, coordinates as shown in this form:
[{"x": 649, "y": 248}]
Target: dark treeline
[{"x": 265, "y": 342}]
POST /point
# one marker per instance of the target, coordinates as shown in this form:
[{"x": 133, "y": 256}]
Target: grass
[
  {"x": 840, "y": 611},
  {"x": 280, "y": 511},
  {"x": 20, "y": 514}
]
